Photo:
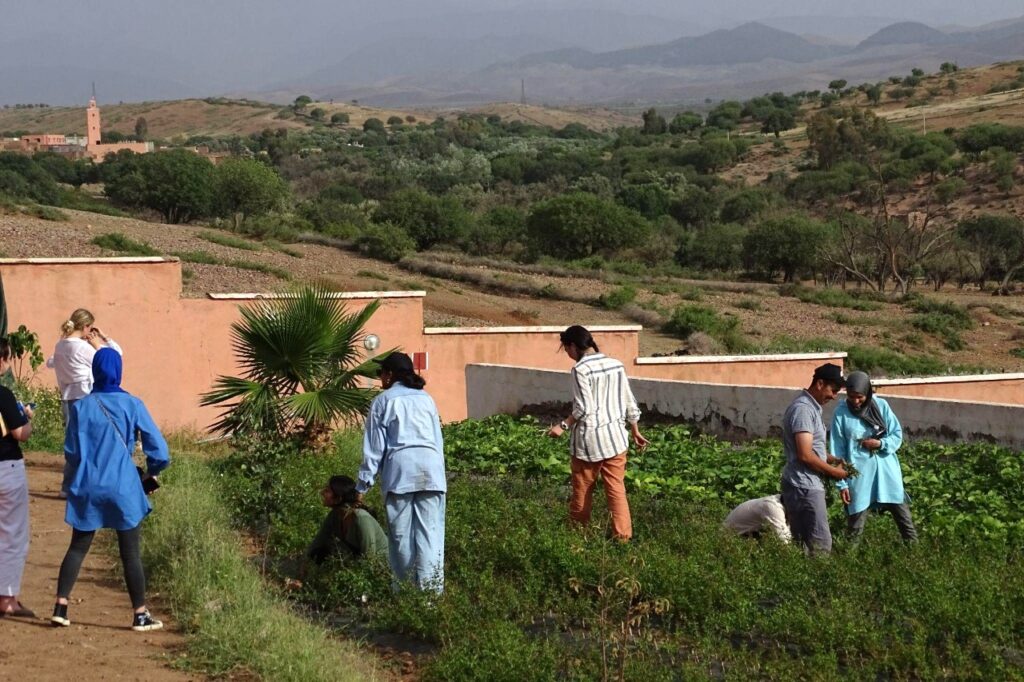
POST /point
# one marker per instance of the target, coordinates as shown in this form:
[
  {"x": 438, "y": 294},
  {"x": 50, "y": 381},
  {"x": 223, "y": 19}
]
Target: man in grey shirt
[{"x": 808, "y": 462}]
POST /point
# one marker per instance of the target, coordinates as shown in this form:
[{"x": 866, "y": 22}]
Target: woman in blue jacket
[
  {"x": 866, "y": 433},
  {"x": 105, "y": 489}
]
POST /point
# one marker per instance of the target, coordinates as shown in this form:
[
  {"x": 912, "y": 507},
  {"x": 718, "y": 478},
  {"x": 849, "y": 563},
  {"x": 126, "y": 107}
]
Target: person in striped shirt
[{"x": 602, "y": 407}]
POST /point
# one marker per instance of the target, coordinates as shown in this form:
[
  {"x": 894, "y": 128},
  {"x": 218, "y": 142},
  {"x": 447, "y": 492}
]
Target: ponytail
[
  {"x": 79, "y": 320},
  {"x": 579, "y": 337},
  {"x": 410, "y": 380}
]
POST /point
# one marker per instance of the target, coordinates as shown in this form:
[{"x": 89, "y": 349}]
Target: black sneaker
[
  {"x": 144, "y": 622},
  {"x": 59, "y": 619}
]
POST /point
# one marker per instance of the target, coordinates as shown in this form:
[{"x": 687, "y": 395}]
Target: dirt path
[{"x": 99, "y": 645}]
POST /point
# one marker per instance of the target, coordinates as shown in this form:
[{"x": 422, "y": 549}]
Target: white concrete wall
[{"x": 738, "y": 411}]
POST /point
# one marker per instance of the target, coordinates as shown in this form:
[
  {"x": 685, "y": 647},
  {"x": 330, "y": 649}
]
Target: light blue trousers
[{"x": 416, "y": 538}]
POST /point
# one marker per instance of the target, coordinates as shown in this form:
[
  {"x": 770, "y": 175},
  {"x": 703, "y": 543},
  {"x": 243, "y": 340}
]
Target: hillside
[{"x": 219, "y": 117}]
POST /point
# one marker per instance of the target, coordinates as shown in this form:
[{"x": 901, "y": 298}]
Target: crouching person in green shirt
[{"x": 349, "y": 531}]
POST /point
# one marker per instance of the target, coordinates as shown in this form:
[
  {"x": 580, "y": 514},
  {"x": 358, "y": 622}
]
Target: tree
[
  {"x": 917, "y": 73},
  {"x": 245, "y": 187},
  {"x": 301, "y": 102},
  {"x": 726, "y": 116},
  {"x": 303, "y": 367},
  {"x": 786, "y": 244},
  {"x": 318, "y": 114},
  {"x": 141, "y": 128},
  {"x": 340, "y": 118},
  {"x": 654, "y": 123},
  {"x": 373, "y": 125},
  {"x": 685, "y": 122},
  {"x": 394, "y": 121},
  {"x": 176, "y": 183},
  {"x": 578, "y": 225},
  {"x": 1002, "y": 164},
  {"x": 716, "y": 247},
  {"x": 429, "y": 220},
  {"x": 837, "y": 85},
  {"x": 874, "y": 93},
  {"x": 998, "y": 242},
  {"x": 949, "y": 67}
]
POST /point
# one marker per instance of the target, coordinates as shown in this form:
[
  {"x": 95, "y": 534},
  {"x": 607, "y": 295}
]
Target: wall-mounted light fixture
[{"x": 371, "y": 342}]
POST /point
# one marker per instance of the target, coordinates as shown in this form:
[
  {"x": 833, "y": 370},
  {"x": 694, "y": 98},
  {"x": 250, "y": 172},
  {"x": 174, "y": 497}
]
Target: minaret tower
[{"x": 92, "y": 116}]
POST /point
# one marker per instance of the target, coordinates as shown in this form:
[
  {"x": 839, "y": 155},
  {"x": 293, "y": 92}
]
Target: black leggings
[{"x": 131, "y": 561}]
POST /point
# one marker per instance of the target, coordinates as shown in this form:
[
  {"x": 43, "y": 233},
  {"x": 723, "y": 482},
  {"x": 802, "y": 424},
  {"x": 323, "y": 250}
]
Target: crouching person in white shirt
[{"x": 754, "y": 517}]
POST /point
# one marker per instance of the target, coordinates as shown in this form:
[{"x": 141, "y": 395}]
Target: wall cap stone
[
  {"x": 527, "y": 330},
  {"x": 336, "y": 294},
  {"x": 80, "y": 261},
  {"x": 948, "y": 379},
  {"x": 709, "y": 359}
]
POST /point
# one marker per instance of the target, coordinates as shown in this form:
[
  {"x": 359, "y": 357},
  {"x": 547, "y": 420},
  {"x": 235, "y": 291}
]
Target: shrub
[
  {"x": 116, "y": 241},
  {"x": 229, "y": 241},
  {"x": 833, "y": 298},
  {"x": 688, "y": 319},
  {"x": 616, "y": 298},
  {"x": 385, "y": 242}
]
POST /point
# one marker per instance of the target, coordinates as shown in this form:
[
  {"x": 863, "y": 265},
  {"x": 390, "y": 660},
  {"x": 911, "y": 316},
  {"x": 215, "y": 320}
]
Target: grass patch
[
  {"x": 834, "y": 298},
  {"x": 229, "y": 241},
  {"x": 265, "y": 268},
  {"x": 233, "y": 621},
  {"x": 275, "y": 245},
  {"x": 942, "y": 319},
  {"x": 80, "y": 201},
  {"x": 688, "y": 319},
  {"x": 369, "y": 274},
  {"x": 1017, "y": 352},
  {"x": 749, "y": 304},
  {"x": 201, "y": 257},
  {"x": 116, "y": 241},
  {"x": 45, "y": 213}
]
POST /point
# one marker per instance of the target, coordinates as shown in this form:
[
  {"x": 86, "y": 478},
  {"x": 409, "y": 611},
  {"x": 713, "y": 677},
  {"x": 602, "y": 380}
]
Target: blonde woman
[{"x": 72, "y": 361}]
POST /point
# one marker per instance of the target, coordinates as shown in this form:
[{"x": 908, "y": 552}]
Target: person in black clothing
[{"x": 15, "y": 428}]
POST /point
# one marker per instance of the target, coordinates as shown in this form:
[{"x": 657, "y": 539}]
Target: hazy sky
[{"x": 173, "y": 48}]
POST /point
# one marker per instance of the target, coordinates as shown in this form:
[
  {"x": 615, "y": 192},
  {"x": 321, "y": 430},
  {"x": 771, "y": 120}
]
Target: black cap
[
  {"x": 397, "y": 363},
  {"x": 831, "y": 373}
]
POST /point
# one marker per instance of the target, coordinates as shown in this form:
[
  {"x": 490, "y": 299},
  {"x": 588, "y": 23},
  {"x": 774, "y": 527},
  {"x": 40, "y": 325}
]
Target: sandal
[{"x": 20, "y": 612}]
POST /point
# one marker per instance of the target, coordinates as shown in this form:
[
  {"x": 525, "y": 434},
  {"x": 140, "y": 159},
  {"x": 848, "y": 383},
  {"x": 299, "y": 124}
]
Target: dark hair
[
  {"x": 579, "y": 337},
  {"x": 5, "y": 348},
  {"x": 344, "y": 490},
  {"x": 409, "y": 379}
]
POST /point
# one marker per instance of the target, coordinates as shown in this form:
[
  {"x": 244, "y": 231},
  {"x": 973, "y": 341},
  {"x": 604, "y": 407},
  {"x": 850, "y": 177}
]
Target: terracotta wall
[
  {"x": 985, "y": 388},
  {"x": 450, "y": 350},
  {"x": 793, "y": 370},
  {"x": 173, "y": 347}
]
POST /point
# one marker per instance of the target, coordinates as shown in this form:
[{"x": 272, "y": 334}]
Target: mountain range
[{"x": 744, "y": 61}]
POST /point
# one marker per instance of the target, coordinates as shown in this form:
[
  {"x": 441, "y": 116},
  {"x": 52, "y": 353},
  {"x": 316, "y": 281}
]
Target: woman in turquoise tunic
[
  {"x": 866, "y": 433},
  {"x": 105, "y": 489}
]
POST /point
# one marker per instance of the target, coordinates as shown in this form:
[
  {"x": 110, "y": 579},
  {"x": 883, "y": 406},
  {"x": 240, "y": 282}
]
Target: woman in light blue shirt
[
  {"x": 866, "y": 433},
  {"x": 403, "y": 445}
]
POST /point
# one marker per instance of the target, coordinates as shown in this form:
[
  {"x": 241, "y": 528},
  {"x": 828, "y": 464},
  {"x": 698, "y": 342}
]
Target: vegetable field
[{"x": 955, "y": 489}]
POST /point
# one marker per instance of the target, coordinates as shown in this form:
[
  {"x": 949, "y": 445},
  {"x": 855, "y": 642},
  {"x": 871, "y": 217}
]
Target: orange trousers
[{"x": 584, "y": 478}]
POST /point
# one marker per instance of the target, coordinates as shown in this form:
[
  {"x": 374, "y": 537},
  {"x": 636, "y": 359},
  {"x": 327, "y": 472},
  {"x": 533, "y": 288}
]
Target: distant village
[{"x": 91, "y": 146}]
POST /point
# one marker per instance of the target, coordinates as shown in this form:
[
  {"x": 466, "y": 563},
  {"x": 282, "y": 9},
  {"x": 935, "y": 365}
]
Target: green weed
[
  {"x": 116, "y": 241},
  {"x": 229, "y": 241}
]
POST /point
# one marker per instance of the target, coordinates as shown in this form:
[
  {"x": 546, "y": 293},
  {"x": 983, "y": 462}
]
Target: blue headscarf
[{"x": 106, "y": 371}]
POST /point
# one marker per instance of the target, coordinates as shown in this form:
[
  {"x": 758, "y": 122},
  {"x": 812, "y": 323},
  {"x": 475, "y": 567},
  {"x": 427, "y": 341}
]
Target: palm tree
[{"x": 302, "y": 367}]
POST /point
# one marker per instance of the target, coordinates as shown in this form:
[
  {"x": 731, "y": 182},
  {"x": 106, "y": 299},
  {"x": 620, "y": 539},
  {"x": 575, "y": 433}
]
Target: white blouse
[{"x": 72, "y": 361}]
